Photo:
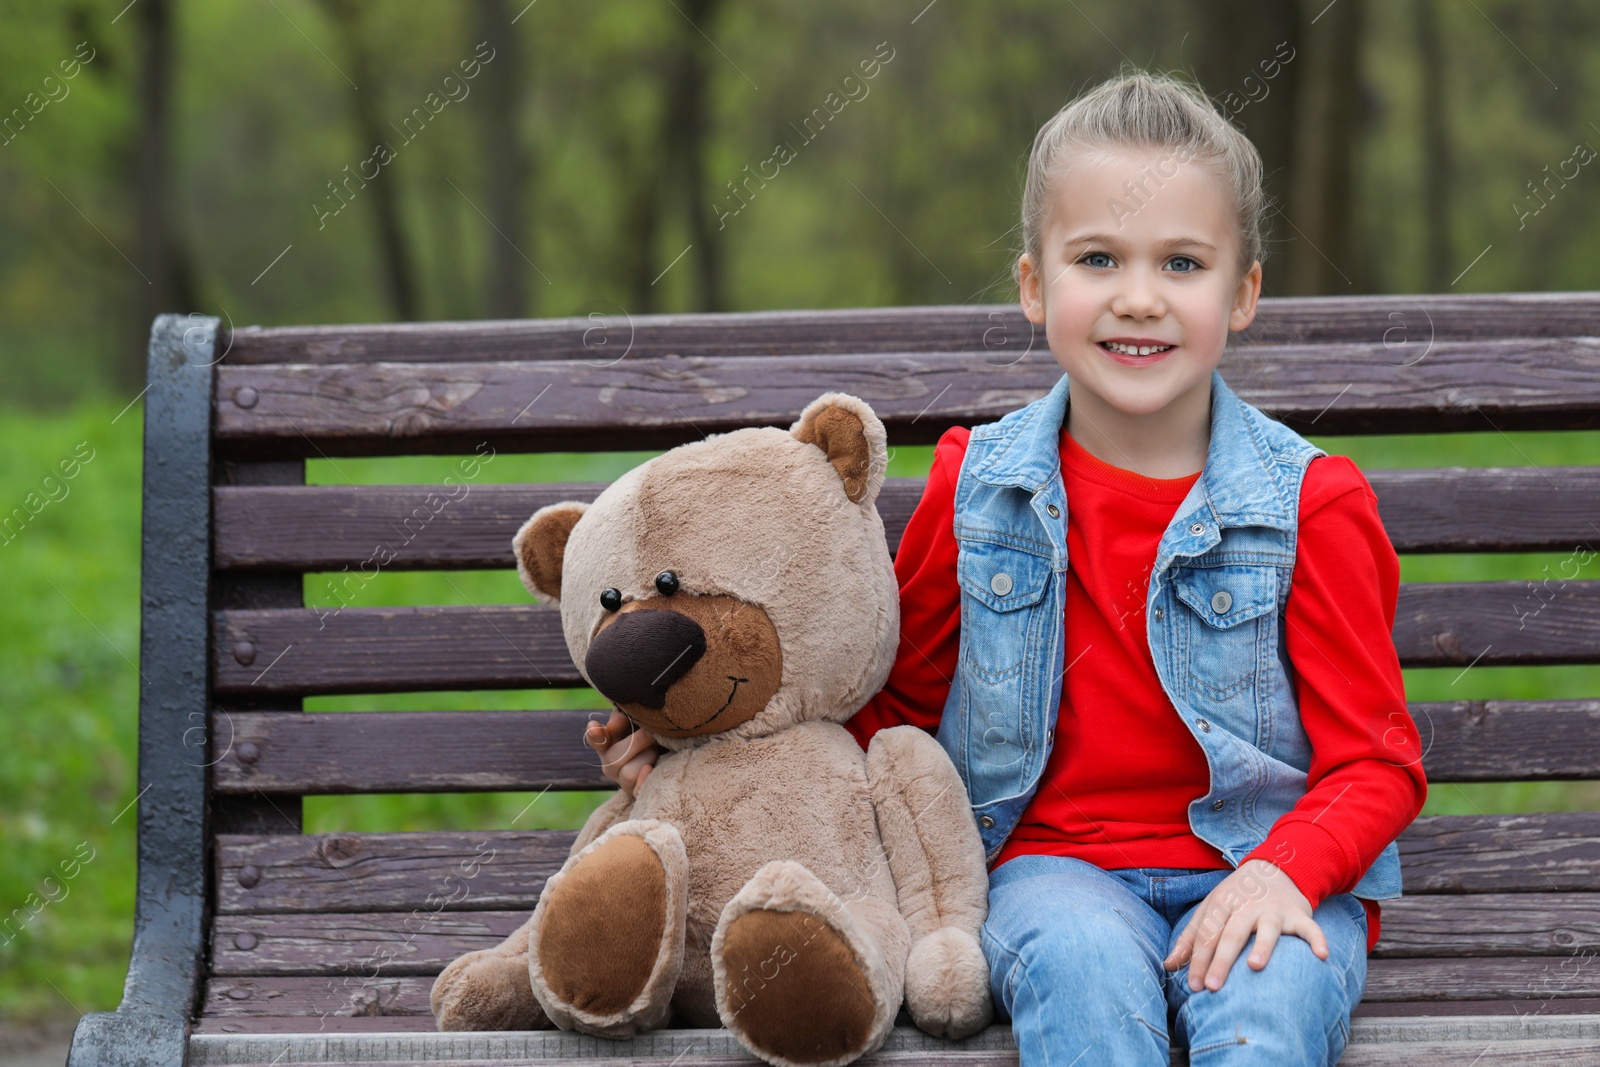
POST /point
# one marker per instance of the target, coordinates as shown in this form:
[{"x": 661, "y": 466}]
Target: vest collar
[{"x": 1240, "y": 484}]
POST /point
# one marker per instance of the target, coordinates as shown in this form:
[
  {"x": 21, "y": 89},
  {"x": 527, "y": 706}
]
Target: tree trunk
[
  {"x": 506, "y": 288},
  {"x": 685, "y": 134},
  {"x": 1318, "y": 220},
  {"x": 163, "y": 260},
  {"x": 1250, "y": 59},
  {"x": 394, "y": 257},
  {"x": 641, "y": 222},
  {"x": 1439, "y": 258}
]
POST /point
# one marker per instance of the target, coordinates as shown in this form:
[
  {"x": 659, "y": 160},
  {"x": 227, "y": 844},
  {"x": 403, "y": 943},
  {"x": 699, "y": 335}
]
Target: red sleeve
[
  {"x": 930, "y": 606},
  {"x": 1365, "y": 784}
]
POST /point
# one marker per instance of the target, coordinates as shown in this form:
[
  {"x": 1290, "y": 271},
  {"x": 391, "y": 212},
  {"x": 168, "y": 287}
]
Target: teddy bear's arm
[
  {"x": 941, "y": 881},
  {"x": 929, "y": 836},
  {"x": 617, "y": 808}
]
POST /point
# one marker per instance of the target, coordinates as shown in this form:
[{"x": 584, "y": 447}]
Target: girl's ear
[
  {"x": 852, "y": 436},
  {"x": 1030, "y": 289},
  {"x": 1245, "y": 297},
  {"x": 541, "y": 546}
]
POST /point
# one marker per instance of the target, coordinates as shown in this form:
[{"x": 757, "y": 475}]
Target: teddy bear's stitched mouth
[{"x": 725, "y": 703}]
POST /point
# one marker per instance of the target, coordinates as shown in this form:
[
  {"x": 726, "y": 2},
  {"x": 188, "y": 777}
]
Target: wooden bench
[{"x": 250, "y": 935}]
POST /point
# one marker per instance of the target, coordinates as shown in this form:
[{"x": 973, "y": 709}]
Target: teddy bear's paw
[
  {"x": 607, "y": 943},
  {"x": 486, "y": 991},
  {"x": 947, "y": 984},
  {"x": 799, "y": 977}
]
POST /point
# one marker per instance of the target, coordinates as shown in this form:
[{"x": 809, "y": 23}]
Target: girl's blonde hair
[{"x": 1144, "y": 110}]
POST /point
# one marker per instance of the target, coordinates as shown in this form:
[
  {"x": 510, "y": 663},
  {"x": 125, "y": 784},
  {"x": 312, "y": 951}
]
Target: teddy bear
[{"x": 735, "y": 596}]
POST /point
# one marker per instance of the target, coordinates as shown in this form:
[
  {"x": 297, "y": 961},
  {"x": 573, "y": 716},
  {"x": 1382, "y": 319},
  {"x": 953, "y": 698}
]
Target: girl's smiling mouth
[{"x": 1136, "y": 352}]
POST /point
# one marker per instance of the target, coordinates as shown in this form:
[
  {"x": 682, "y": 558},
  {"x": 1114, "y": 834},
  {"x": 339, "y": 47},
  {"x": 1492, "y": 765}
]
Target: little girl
[{"x": 1177, "y": 708}]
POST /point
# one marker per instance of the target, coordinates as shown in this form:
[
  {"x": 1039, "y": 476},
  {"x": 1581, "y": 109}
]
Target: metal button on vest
[
  {"x": 1221, "y": 601},
  {"x": 985, "y": 822},
  {"x": 1055, "y": 512},
  {"x": 1000, "y": 583},
  {"x": 1205, "y": 727},
  {"x": 1158, "y": 614},
  {"x": 1197, "y": 528},
  {"x": 1219, "y": 805}
]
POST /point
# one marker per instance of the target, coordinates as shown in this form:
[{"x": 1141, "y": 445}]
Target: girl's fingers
[
  {"x": 634, "y": 744},
  {"x": 1306, "y": 927},
  {"x": 1204, "y": 947},
  {"x": 1233, "y": 938},
  {"x": 632, "y": 775},
  {"x": 601, "y": 735},
  {"x": 618, "y": 726},
  {"x": 1181, "y": 948},
  {"x": 1267, "y": 931}
]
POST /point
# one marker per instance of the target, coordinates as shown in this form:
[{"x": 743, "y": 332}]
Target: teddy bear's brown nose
[{"x": 636, "y": 659}]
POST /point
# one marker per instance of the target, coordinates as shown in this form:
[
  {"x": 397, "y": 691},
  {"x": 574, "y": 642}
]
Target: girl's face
[{"x": 1140, "y": 250}]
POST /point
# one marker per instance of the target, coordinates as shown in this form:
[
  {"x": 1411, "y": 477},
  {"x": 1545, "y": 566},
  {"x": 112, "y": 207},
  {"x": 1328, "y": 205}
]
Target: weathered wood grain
[
  {"x": 1491, "y": 978},
  {"x": 1546, "y": 852},
  {"x": 405, "y": 752},
  {"x": 402, "y": 872},
  {"x": 1495, "y": 979},
  {"x": 355, "y": 649},
  {"x": 371, "y": 945},
  {"x": 1508, "y": 740},
  {"x": 356, "y": 1024},
  {"x": 435, "y": 527},
  {"x": 494, "y": 870},
  {"x": 1403, "y": 325},
  {"x": 472, "y": 751},
  {"x": 342, "y": 409},
  {"x": 1565, "y": 926},
  {"x": 1562, "y": 926}
]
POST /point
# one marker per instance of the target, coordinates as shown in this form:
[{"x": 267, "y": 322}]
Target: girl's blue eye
[
  {"x": 1191, "y": 268},
  {"x": 1093, "y": 255}
]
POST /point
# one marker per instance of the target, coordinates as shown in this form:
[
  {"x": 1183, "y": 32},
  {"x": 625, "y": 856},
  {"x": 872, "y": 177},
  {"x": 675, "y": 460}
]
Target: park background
[{"x": 195, "y": 156}]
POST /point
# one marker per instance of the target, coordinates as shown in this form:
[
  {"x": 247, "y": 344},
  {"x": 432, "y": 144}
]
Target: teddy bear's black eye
[
  {"x": 666, "y": 583},
  {"x": 610, "y": 598}
]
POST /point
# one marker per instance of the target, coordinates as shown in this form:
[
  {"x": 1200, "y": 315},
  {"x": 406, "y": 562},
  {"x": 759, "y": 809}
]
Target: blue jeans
[{"x": 1075, "y": 957}]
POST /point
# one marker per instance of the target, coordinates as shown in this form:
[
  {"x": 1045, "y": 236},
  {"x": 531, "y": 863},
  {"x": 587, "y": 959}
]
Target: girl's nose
[{"x": 1137, "y": 297}]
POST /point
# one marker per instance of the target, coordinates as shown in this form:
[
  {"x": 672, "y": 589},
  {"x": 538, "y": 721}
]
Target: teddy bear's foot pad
[
  {"x": 608, "y": 943},
  {"x": 799, "y": 979},
  {"x": 487, "y": 990}
]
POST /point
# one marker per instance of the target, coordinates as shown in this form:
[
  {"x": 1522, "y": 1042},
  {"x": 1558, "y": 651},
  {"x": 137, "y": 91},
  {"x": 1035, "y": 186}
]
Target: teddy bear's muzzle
[{"x": 636, "y": 659}]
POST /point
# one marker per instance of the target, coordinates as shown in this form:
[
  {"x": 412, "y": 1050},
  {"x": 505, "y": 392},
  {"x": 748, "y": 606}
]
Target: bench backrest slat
[
  {"x": 435, "y": 527},
  {"x": 514, "y": 646},
  {"x": 397, "y": 872},
  {"x": 300, "y": 410},
  {"x": 380, "y": 752},
  {"x": 1392, "y": 321}
]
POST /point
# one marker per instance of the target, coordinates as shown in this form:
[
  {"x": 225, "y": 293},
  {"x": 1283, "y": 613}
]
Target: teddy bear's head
[{"x": 732, "y": 586}]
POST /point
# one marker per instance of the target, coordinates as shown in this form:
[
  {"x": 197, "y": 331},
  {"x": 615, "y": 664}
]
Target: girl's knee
[{"x": 1094, "y": 953}]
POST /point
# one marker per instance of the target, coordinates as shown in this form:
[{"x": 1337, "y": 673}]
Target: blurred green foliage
[{"x": 908, "y": 196}]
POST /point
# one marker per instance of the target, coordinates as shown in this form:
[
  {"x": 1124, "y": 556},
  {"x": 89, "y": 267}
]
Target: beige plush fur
[{"x": 770, "y": 876}]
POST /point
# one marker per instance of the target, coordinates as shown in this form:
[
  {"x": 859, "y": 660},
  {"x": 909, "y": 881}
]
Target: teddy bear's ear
[
  {"x": 541, "y": 544},
  {"x": 853, "y": 439}
]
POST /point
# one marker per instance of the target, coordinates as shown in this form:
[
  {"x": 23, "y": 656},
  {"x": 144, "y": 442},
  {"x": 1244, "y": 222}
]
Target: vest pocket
[
  {"x": 1232, "y": 627},
  {"x": 996, "y": 583}
]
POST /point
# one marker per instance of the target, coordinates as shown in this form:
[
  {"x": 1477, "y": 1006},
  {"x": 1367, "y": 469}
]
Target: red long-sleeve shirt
[{"x": 1116, "y": 788}]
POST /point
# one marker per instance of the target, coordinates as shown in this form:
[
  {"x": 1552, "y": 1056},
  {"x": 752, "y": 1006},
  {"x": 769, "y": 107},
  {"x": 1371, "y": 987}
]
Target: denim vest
[{"x": 1213, "y": 616}]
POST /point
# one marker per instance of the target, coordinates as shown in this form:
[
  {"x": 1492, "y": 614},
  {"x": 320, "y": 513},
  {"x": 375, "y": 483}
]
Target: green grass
[{"x": 69, "y": 685}]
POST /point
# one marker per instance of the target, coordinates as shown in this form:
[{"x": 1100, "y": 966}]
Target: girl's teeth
[{"x": 1132, "y": 350}]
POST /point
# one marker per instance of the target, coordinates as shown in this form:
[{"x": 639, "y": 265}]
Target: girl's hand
[
  {"x": 1258, "y": 898},
  {"x": 627, "y": 752}
]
